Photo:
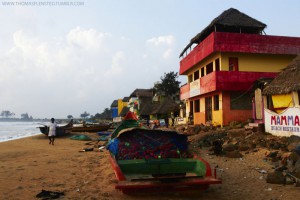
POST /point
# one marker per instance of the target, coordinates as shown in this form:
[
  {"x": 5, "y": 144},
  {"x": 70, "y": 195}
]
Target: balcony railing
[
  {"x": 243, "y": 43},
  {"x": 222, "y": 81}
]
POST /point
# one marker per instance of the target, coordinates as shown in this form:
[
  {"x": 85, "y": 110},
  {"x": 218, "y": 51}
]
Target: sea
[{"x": 16, "y": 130}]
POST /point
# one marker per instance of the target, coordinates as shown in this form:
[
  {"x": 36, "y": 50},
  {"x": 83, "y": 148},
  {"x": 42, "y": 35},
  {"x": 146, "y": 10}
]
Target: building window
[
  {"x": 209, "y": 68},
  {"x": 233, "y": 64},
  {"x": 196, "y": 75},
  {"x": 216, "y": 102},
  {"x": 202, "y": 72},
  {"x": 240, "y": 101},
  {"x": 217, "y": 64},
  {"x": 197, "y": 105},
  {"x": 190, "y": 78}
]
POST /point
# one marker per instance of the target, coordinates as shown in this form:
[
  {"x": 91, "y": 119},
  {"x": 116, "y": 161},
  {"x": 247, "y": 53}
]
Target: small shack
[{"x": 281, "y": 99}]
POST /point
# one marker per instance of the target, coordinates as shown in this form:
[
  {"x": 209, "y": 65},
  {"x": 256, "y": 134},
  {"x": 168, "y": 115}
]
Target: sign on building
[
  {"x": 286, "y": 123},
  {"x": 195, "y": 88}
]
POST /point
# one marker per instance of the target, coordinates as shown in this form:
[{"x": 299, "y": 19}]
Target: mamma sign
[{"x": 286, "y": 123}]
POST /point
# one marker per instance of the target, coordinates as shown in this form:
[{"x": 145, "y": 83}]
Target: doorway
[{"x": 208, "y": 109}]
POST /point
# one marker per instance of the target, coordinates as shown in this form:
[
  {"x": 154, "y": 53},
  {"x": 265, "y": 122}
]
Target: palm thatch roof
[
  {"x": 125, "y": 99},
  {"x": 165, "y": 107},
  {"x": 142, "y": 93},
  {"x": 146, "y": 109},
  {"x": 114, "y": 103},
  {"x": 124, "y": 111},
  {"x": 231, "y": 20},
  {"x": 287, "y": 81}
]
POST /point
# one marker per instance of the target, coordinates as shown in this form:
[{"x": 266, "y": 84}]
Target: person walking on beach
[{"x": 52, "y": 131}]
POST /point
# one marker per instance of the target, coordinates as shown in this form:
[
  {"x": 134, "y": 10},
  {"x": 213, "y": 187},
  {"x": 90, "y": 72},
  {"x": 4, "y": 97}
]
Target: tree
[
  {"x": 169, "y": 85},
  {"x": 97, "y": 116},
  {"x": 25, "y": 116},
  {"x": 6, "y": 114},
  {"x": 85, "y": 114},
  {"x": 106, "y": 114},
  {"x": 70, "y": 116}
]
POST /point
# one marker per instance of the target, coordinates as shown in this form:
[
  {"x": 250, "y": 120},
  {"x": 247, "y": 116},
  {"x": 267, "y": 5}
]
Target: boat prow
[{"x": 149, "y": 160}]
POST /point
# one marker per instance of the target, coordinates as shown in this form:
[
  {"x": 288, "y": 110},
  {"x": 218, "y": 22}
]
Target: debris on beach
[
  {"x": 45, "y": 194},
  {"x": 235, "y": 142}
]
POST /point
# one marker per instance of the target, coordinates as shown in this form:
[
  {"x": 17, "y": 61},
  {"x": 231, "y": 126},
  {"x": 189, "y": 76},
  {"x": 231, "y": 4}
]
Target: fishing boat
[
  {"x": 91, "y": 128},
  {"x": 60, "y": 130},
  {"x": 149, "y": 160}
]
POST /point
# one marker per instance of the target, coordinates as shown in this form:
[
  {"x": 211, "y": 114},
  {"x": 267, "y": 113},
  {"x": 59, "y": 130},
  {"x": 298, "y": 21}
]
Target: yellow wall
[
  {"x": 205, "y": 62},
  {"x": 217, "y": 115},
  {"x": 125, "y": 104},
  {"x": 256, "y": 62},
  {"x": 120, "y": 105},
  {"x": 247, "y": 62}
]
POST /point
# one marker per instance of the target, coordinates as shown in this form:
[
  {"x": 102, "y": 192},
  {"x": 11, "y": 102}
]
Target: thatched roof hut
[
  {"x": 142, "y": 93},
  {"x": 287, "y": 81},
  {"x": 124, "y": 111},
  {"x": 165, "y": 107},
  {"x": 146, "y": 107},
  {"x": 232, "y": 21}
]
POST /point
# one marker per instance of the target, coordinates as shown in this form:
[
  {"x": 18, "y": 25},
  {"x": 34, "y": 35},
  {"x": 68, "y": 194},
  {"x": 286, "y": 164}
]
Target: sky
[{"x": 59, "y": 60}]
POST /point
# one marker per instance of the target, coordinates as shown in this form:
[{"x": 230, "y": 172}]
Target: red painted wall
[
  {"x": 233, "y": 115},
  {"x": 185, "y": 92},
  {"x": 239, "y": 81},
  {"x": 226, "y": 81},
  {"x": 243, "y": 43}
]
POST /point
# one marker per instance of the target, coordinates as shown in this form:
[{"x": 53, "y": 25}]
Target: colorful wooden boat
[
  {"x": 60, "y": 130},
  {"x": 148, "y": 160}
]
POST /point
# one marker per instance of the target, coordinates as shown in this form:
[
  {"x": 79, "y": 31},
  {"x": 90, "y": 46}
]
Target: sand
[{"x": 30, "y": 165}]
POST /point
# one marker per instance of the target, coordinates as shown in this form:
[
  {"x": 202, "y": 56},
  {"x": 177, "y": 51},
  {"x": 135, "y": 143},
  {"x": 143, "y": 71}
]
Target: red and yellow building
[{"x": 223, "y": 61}]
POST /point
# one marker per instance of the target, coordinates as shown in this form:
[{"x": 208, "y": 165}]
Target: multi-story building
[{"x": 223, "y": 61}]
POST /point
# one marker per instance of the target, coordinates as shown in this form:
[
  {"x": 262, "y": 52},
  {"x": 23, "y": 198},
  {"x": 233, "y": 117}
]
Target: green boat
[{"x": 149, "y": 160}]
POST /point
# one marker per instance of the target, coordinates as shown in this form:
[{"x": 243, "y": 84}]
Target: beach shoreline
[{"x": 30, "y": 165}]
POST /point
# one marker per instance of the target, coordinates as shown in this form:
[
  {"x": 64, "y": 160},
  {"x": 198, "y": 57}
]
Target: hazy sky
[{"x": 60, "y": 60}]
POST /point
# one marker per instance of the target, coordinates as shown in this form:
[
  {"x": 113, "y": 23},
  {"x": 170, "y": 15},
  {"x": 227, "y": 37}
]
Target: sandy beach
[{"x": 31, "y": 165}]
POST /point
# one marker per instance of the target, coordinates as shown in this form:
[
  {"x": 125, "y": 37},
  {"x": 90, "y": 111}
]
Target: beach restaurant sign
[{"x": 286, "y": 123}]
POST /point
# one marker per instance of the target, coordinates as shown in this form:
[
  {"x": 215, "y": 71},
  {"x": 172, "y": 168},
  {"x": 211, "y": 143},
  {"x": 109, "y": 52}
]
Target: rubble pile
[{"x": 234, "y": 142}]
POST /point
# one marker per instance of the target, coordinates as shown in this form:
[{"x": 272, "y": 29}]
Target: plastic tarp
[
  {"x": 81, "y": 137},
  {"x": 282, "y": 101},
  {"x": 113, "y": 146}
]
